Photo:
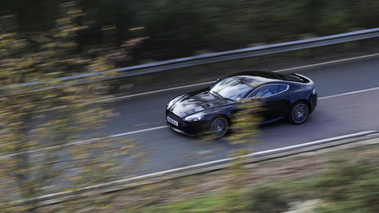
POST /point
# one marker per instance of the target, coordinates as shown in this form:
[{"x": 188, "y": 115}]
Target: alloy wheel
[{"x": 219, "y": 127}]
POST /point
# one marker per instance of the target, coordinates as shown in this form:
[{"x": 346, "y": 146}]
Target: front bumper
[{"x": 184, "y": 127}]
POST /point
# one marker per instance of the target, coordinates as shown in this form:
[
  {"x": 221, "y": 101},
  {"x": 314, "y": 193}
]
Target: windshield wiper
[{"x": 217, "y": 94}]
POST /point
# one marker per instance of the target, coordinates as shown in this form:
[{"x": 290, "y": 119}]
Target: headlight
[
  {"x": 314, "y": 91},
  {"x": 193, "y": 118}
]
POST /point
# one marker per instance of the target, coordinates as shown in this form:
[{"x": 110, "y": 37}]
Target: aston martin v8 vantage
[{"x": 211, "y": 109}]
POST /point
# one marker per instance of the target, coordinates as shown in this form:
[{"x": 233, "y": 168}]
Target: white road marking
[
  {"x": 328, "y": 62},
  {"x": 349, "y": 93},
  {"x": 157, "y": 91},
  {"x": 160, "y": 127},
  {"x": 271, "y": 151},
  {"x": 321, "y": 98},
  {"x": 138, "y": 131},
  {"x": 85, "y": 141},
  {"x": 209, "y": 82},
  {"x": 166, "y": 172},
  {"x": 315, "y": 142}
]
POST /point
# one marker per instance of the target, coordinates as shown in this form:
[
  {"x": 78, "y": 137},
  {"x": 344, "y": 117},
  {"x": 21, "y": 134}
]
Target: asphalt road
[{"x": 348, "y": 103}]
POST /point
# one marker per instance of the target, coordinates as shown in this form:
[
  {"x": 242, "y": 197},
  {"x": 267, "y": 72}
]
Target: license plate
[{"x": 174, "y": 122}]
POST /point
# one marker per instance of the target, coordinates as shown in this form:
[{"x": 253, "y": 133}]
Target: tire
[
  {"x": 218, "y": 127},
  {"x": 299, "y": 113}
]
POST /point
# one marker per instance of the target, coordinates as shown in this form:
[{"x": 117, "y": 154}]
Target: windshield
[{"x": 232, "y": 88}]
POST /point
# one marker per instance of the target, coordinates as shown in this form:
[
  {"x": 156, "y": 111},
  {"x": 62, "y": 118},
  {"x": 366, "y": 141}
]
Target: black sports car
[{"x": 291, "y": 96}]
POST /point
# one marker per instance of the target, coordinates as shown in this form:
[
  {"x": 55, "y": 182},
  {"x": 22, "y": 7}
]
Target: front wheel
[
  {"x": 218, "y": 127},
  {"x": 299, "y": 113}
]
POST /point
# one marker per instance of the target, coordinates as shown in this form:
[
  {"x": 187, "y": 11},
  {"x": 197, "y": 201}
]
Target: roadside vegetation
[
  {"x": 43, "y": 126},
  {"x": 339, "y": 184},
  {"x": 184, "y": 28}
]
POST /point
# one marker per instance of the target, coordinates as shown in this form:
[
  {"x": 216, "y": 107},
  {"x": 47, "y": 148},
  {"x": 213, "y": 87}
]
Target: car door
[{"x": 271, "y": 96}]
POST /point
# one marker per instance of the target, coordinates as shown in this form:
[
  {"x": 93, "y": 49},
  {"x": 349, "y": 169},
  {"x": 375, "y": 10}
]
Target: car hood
[{"x": 197, "y": 102}]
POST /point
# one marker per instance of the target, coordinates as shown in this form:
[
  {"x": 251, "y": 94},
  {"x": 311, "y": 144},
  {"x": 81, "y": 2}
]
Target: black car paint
[
  {"x": 210, "y": 106},
  {"x": 199, "y": 100}
]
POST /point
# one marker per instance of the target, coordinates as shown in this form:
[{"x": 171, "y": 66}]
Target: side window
[
  {"x": 282, "y": 87},
  {"x": 269, "y": 90},
  {"x": 263, "y": 91}
]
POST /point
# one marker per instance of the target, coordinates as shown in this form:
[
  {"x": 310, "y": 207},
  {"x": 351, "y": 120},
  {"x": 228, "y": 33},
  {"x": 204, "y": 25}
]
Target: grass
[{"x": 206, "y": 203}]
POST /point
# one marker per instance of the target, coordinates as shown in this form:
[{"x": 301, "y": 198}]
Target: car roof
[{"x": 265, "y": 76}]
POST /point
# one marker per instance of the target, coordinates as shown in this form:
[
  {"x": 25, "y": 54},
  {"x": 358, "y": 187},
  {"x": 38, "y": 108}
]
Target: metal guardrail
[{"x": 213, "y": 58}]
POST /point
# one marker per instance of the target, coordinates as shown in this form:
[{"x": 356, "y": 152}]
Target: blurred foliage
[
  {"x": 39, "y": 123},
  {"x": 245, "y": 125},
  {"x": 267, "y": 199},
  {"x": 349, "y": 187},
  {"x": 183, "y": 28},
  {"x": 346, "y": 186}
]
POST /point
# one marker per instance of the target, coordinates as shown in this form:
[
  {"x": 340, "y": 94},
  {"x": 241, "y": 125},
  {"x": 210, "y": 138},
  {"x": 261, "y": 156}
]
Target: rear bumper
[{"x": 313, "y": 102}]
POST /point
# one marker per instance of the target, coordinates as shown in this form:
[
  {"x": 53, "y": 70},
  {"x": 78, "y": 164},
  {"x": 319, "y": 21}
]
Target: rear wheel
[
  {"x": 218, "y": 127},
  {"x": 299, "y": 113}
]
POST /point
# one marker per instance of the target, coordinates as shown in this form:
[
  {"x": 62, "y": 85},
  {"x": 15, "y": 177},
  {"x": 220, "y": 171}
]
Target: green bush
[
  {"x": 267, "y": 199},
  {"x": 350, "y": 187}
]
